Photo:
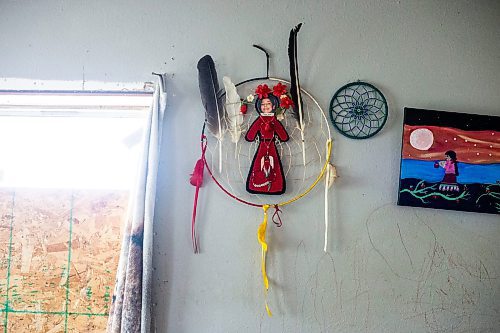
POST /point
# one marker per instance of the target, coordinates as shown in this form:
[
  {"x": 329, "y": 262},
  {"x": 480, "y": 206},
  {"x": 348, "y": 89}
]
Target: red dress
[{"x": 266, "y": 173}]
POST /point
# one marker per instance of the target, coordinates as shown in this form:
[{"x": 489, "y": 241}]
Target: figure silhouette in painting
[
  {"x": 450, "y": 166},
  {"x": 266, "y": 172}
]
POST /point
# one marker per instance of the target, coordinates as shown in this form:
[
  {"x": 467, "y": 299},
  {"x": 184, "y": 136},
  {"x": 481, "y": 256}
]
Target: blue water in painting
[{"x": 468, "y": 173}]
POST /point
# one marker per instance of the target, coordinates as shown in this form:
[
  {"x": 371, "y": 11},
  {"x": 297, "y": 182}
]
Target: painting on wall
[{"x": 450, "y": 161}]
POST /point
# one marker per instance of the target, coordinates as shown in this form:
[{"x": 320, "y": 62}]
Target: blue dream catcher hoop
[{"x": 358, "y": 110}]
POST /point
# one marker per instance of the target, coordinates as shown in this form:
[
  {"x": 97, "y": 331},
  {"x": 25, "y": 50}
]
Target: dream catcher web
[
  {"x": 358, "y": 110},
  {"x": 237, "y": 157}
]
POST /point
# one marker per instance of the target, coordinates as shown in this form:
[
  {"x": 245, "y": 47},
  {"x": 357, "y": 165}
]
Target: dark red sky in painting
[{"x": 470, "y": 146}]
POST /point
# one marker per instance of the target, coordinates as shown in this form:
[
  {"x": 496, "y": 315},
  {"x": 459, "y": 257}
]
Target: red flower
[
  {"x": 279, "y": 89},
  {"x": 243, "y": 108},
  {"x": 262, "y": 91},
  {"x": 286, "y": 102}
]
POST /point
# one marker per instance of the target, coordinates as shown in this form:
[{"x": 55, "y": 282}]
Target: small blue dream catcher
[{"x": 358, "y": 110}]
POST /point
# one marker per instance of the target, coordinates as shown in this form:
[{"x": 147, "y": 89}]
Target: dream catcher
[
  {"x": 358, "y": 110},
  {"x": 266, "y": 143}
]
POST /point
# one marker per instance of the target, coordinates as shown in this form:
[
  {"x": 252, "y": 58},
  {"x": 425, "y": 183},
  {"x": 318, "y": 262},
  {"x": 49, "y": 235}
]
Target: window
[{"x": 67, "y": 162}]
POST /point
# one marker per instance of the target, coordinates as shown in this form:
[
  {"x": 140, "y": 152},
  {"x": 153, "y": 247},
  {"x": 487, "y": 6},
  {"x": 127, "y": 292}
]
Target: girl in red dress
[{"x": 266, "y": 173}]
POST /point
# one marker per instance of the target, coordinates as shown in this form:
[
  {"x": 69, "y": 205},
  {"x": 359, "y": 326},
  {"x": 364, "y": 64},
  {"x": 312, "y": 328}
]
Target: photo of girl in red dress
[{"x": 266, "y": 172}]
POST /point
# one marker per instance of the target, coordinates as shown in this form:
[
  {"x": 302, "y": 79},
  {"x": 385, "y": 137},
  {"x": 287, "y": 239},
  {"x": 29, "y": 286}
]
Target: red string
[
  {"x": 194, "y": 238},
  {"x": 276, "y": 216},
  {"x": 197, "y": 180}
]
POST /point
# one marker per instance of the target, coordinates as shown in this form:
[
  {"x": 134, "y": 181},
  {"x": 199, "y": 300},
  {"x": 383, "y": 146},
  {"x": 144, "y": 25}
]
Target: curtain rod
[{"x": 78, "y": 92}]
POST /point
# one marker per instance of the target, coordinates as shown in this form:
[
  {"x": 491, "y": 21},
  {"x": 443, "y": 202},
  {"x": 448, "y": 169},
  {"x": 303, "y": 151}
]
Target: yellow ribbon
[
  {"x": 261, "y": 232},
  {"x": 261, "y": 237}
]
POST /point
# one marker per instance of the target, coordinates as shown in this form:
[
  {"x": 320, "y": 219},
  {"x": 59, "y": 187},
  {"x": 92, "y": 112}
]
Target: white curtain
[{"x": 131, "y": 308}]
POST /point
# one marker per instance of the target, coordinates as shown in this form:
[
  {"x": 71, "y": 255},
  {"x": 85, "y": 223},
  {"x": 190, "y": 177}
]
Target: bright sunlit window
[
  {"x": 64, "y": 140},
  {"x": 68, "y": 161}
]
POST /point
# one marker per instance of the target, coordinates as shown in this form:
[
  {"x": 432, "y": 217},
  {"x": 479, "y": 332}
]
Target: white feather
[
  {"x": 331, "y": 175},
  {"x": 233, "y": 103}
]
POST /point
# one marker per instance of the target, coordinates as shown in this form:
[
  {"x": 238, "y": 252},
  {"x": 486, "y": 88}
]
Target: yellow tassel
[
  {"x": 269, "y": 313},
  {"x": 261, "y": 236}
]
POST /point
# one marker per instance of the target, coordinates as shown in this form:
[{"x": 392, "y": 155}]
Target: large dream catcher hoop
[{"x": 268, "y": 143}]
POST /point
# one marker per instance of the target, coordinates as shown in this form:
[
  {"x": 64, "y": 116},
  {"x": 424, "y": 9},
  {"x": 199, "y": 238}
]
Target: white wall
[{"x": 390, "y": 268}]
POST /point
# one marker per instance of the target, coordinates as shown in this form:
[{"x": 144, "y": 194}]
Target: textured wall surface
[{"x": 389, "y": 268}]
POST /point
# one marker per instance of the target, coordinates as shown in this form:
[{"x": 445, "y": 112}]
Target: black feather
[
  {"x": 209, "y": 86},
  {"x": 297, "y": 112}
]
